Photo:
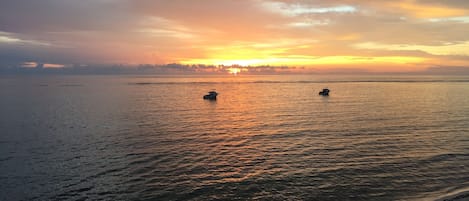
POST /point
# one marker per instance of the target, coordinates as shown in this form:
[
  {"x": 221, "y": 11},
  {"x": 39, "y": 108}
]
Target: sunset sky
[{"x": 379, "y": 35}]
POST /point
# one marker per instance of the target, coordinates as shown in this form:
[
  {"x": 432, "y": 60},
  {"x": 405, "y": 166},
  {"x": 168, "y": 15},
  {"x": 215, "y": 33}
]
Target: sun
[{"x": 234, "y": 71}]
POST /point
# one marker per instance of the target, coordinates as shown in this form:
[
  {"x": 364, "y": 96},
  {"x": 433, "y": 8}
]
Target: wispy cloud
[
  {"x": 12, "y": 39},
  {"x": 297, "y": 9}
]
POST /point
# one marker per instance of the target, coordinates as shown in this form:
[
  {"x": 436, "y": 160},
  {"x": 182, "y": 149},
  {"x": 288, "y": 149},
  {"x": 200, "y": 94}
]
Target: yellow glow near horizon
[{"x": 310, "y": 61}]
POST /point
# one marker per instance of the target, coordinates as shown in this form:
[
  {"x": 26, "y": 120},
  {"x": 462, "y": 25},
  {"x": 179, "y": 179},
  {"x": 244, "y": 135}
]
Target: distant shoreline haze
[{"x": 201, "y": 69}]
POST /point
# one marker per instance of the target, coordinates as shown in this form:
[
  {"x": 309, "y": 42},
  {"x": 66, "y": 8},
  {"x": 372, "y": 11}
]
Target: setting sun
[{"x": 234, "y": 71}]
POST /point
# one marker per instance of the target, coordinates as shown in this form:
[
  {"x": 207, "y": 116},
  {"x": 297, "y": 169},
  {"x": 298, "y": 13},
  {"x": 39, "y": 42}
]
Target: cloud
[
  {"x": 447, "y": 3},
  {"x": 340, "y": 32},
  {"x": 291, "y": 10},
  {"x": 23, "y": 16},
  {"x": 9, "y": 38}
]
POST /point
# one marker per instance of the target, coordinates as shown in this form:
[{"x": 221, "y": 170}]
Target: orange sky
[{"x": 401, "y": 35}]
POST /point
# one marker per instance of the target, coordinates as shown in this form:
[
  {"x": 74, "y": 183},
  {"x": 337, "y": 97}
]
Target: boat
[
  {"x": 324, "y": 92},
  {"x": 212, "y": 95}
]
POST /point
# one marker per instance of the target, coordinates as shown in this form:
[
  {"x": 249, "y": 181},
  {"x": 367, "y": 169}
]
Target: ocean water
[{"x": 265, "y": 138}]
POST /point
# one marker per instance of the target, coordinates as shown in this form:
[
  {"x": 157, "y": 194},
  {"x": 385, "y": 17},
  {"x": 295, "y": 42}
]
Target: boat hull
[
  {"x": 324, "y": 92},
  {"x": 209, "y": 97}
]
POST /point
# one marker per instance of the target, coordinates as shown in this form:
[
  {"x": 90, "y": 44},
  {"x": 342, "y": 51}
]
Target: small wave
[
  {"x": 459, "y": 195},
  {"x": 175, "y": 83},
  {"x": 5, "y": 159},
  {"x": 71, "y": 85}
]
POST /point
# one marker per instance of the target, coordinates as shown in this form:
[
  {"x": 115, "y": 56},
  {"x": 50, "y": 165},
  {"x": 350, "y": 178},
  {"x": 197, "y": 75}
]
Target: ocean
[{"x": 264, "y": 138}]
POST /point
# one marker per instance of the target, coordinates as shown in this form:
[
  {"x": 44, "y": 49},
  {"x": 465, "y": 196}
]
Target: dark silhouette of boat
[
  {"x": 212, "y": 95},
  {"x": 324, "y": 92}
]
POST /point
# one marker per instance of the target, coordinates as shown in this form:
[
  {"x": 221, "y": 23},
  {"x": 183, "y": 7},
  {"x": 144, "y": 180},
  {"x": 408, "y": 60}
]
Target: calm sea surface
[{"x": 265, "y": 138}]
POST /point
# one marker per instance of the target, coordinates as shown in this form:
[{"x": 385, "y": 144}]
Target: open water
[{"x": 265, "y": 138}]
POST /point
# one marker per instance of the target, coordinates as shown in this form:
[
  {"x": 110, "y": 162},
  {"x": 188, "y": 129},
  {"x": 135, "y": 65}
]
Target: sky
[{"x": 379, "y": 35}]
